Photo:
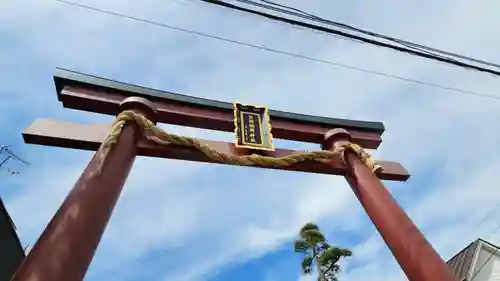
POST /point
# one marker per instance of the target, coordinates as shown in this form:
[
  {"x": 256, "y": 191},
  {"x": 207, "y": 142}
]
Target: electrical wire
[
  {"x": 10, "y": 155},
  {"x": 288, "y": 7},
  {"x": 411, "y": 51},
  {"x": 341, "y": 25},
  {"x": 489, "y": 258},
  {"x": 309, "y": 16},
  {"x": 408, "y": 44},
  {"x": 484, "y": 218},
  {"x": 246, "y": 16},
  {"x": 491, "y": 211},
  {"x": 268, "y": 49}
]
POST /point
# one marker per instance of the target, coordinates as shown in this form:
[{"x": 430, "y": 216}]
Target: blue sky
[{"x": 187, "y": 221}]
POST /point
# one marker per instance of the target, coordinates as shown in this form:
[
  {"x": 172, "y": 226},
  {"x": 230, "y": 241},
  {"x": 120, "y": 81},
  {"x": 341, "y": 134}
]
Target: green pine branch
[{"x": 317, "y": 252}]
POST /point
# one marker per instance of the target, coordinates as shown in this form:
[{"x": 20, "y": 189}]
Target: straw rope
[{"x": 158, "y": 135}]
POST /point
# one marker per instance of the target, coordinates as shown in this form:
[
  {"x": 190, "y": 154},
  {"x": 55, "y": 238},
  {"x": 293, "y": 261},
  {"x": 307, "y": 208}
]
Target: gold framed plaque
[{"x": 252, "y": 127}]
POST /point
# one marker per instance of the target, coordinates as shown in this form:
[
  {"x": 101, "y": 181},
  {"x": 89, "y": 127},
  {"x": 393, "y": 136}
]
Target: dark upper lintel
[{"x": 64, "y": 77}]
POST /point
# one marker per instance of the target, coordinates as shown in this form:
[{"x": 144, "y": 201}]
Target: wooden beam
[
  {"x": 89, "y": 137},
  {"x": 85, "y": 92}
]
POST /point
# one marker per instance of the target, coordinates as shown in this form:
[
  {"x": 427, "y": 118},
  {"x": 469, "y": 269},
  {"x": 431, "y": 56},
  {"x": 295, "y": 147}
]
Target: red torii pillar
[
  {"x": 415, "y": 255},
  {"x": 67, "y": 245}
]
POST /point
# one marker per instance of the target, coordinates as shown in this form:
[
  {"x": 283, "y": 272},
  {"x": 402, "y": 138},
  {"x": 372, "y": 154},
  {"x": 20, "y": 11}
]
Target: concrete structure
[
  {"x": 11, "y": 250},
  {"x": 479, "y": 261}
]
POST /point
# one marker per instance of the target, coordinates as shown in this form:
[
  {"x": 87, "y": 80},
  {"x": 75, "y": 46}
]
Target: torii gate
[{"x": 66, "y": 247}]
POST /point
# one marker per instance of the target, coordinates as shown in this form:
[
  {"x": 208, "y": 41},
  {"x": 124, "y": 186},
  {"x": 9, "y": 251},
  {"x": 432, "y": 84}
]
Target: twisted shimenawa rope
[{"x": 156, "y": 134}]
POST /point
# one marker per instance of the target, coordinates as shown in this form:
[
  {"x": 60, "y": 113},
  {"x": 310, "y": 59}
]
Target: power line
[
  {"x": 489, "y": 258},
  {"x": 411, "y": 51},
  {"x": 491, "y": 211},
  {"x": 300, "y": 13},
  {"x": 246, "y": 16},
  {"x": 268, "y": 49},
  {"x": 408, "y": 44},
  {"x": 288, "y": 7},
  {"x": 305, "y": 15},
  {"x": 4, "y": 149},
  {"x": 414, "y": 46},
  {"x": 484, "y": 218}
]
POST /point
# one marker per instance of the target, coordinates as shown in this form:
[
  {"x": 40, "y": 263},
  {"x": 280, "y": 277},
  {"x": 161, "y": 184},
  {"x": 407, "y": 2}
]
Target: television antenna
[{"x": 10, "y": 155}]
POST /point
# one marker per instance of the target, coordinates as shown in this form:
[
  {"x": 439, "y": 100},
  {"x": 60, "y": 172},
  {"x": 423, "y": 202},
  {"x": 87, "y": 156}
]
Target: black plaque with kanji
[{"x": 252, "y": 127}]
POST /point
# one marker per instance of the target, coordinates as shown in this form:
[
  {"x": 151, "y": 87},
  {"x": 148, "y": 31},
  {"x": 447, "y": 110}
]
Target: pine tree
[{"x": 313, "y": 245}]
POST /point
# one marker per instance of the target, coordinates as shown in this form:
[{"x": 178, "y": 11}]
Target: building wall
[
  {"x": 11, "y": 251},
  {"x": 479, "y": 261},
  {"x": 487, "y": 264}
]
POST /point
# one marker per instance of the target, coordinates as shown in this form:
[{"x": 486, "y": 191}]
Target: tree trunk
[{"x": 321, "y": 276}]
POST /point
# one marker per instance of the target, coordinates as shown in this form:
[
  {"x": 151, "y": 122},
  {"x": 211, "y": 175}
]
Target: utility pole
[{"x": 10, "y": 155}]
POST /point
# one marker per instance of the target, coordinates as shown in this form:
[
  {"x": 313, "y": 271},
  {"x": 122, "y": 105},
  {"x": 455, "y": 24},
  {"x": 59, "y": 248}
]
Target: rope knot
[{"x": 364, "y": 156}]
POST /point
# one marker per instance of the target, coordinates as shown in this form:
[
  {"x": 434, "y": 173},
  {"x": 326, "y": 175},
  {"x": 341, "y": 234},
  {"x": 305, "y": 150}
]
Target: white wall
[{"x": 491, "y": 270}]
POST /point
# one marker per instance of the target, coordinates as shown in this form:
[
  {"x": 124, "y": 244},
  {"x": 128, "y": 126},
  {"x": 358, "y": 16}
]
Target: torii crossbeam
[{"x": 66, "y": 247}]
